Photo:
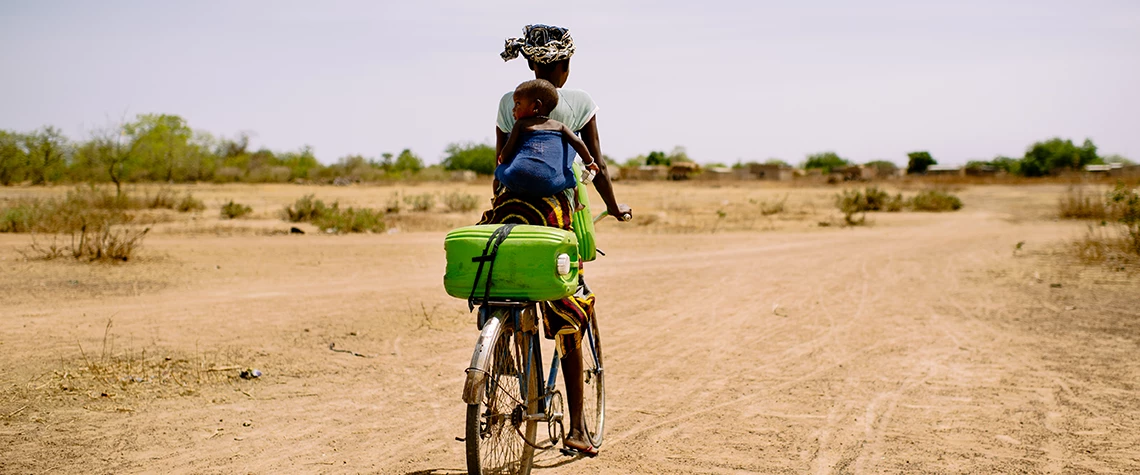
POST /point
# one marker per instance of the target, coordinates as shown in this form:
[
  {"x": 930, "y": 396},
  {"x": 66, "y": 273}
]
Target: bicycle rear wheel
[
  {"x": 594, "y": 391},
  {"x": 494, "y": 425}
]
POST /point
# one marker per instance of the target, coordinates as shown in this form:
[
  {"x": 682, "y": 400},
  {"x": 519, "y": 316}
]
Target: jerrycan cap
[{"x": 563, "y": 264}]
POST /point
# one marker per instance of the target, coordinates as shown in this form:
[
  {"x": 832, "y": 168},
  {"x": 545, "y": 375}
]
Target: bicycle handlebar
[{"x": 623, "y": 217}]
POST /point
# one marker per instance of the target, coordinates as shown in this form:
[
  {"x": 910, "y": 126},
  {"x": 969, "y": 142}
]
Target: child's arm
[{"x": 512, "y": 145}]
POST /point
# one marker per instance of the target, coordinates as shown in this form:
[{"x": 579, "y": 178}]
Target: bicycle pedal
[
  {"x": 569, "y": 452},
  {"x": 461, "y": 439}
]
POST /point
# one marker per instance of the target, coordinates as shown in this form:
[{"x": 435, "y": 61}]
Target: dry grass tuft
[
  {"x": 934, "y": 201},
  {"x": 460, "y": 202},
  {"x": 1116, "y": 238},
  {"x": 420, "y": 202},
  {"x": 113, "y": 373},
  {"x": 1079, "y": 203},
  {"x": 104, "y": 242},
  {"x": 232, "y": 210},
  {"x": 333, "y": 219}
]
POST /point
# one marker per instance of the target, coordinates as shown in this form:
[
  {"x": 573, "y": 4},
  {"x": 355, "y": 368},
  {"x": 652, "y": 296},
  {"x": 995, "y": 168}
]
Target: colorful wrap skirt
[{"x": 562, "y": 320}]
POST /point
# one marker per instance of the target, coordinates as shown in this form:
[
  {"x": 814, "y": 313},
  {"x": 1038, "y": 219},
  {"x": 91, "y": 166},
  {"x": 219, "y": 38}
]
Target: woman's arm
[
  {"x": 578, "y": 144},
  {"x": 500, "y": 141},
  {"x": 602, "y": 182}
]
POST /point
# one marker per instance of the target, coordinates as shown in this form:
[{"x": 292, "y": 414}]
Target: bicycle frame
[{"x": 475, "y": 383}]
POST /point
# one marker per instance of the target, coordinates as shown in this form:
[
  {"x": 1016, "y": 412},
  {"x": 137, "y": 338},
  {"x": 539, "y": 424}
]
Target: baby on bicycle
[{"x": 535, "y": 161}]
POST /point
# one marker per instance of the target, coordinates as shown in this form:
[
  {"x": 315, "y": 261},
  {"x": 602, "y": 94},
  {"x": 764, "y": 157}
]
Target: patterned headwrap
[{"x": 542, "y": 44}]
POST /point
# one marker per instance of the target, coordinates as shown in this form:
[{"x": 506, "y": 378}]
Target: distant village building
[
  {"x": 718, "y": 174},
  {"x": 945, "y": 170},
  {"x": 1125, "y": 171},
  {"x": 982, "y": 171},
  {"x": 855, "y": 173},
  {"x": 463, "y": 175},
  {"x": 1106, "y": 168},
  {"x": 649, "y": 172},
  {"x": 765, "y": 171},
  {"x": 683, "y": 170}
]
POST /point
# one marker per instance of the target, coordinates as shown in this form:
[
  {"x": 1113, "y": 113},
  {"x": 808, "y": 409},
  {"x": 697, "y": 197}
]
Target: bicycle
[{"x": 505, "y": 398}]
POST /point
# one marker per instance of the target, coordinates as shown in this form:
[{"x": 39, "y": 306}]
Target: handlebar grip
[{"x": 623, "y": 217}]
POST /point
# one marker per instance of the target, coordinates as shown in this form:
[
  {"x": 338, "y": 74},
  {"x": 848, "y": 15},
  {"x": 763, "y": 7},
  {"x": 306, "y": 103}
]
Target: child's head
[{"x": 535, "y": 97}]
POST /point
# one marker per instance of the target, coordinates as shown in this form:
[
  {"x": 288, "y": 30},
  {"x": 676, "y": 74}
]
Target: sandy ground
[{"x": 735, "y": 343}]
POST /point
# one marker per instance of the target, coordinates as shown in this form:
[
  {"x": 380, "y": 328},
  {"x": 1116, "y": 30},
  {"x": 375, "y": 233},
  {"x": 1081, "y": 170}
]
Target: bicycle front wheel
[
  {"x": 497, "y": 424},
  {"x": 594, "y": 391}
]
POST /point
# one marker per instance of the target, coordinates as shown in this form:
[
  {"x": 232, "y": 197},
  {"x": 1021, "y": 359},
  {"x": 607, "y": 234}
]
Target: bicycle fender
[{"x": 474, "y": 386}]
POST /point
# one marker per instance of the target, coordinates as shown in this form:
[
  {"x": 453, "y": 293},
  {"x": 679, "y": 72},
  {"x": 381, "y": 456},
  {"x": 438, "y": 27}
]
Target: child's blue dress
[{"x": 541, "y": 167}]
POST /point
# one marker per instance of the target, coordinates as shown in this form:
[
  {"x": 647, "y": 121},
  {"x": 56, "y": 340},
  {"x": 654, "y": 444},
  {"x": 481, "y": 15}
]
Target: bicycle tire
[
  {"x": 594, "y": 389},
  {"x": 494, "y": 423}
]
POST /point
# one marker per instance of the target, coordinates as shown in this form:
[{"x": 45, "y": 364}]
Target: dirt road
[{"x": 921, "y": 344}]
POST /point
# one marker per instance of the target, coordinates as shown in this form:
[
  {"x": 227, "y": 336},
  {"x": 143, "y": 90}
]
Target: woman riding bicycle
[{"x": 547, "y": 50}]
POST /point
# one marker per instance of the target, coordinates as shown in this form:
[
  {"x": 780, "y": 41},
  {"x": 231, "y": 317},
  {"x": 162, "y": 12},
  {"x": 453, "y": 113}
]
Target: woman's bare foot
[{"x": 577, "y": 442}]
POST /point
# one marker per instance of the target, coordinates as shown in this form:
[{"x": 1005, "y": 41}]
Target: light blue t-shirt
[{"x": 575, "y": 109}]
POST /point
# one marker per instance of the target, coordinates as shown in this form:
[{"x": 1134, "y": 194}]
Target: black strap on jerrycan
[{"x": 489, "y": 253}]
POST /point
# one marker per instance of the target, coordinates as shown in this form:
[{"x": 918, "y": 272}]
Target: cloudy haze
[{"x": 728, "y": 80}]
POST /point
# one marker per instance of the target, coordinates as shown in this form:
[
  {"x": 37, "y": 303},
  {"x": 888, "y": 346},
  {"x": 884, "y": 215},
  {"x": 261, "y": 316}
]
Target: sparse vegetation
[
  {"x": 935, "y": 200},
  {"x": 1114, "y": 233},
  {"x": 351, "y": 220},
  {"x": 1125, "y": 205},
  {"x": 101, "y": 242},
  {"x": 331, "y": 218},
  {"x": 457, "y": 201},
  {"x": 852, "y": 202},
  {"x": 860, "y": 202},
  {"x": 88, "y": 224},
  {"x": 112, "y": 370},
  {"x": 85, "y": 205},
  {"x": 189, "y": 203},
  {"x": 232, "y": 210},
  {"x": 420, "y": 202},
  {"x": 305, "y": 209},
  {"x": 768, "y": 208},
  {"x": 1077, "y": 203}
]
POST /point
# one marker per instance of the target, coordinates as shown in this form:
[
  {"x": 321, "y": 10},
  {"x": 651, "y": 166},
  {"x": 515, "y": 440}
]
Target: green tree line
[
  {"x": 1043, "y": 158},
  {"x": 163, "y": 148}
]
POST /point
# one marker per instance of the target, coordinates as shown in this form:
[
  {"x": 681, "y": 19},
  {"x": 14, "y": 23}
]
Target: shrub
[
  {"x": 99, "y": 242},
  {"x": 306, "y": 208},
  {"x": 232, "y": 210},
  {"x": 1076, "y": 204},
  {"x": 870, "y": 199},
  {"x": 393, "y": 205},
  {"x": 56, "y": 216},
  {"x": 189, "y": 203},
  {"x": 351, "y": 220},
  {"x": 331, "y": 218},
  {"x": 935, "y": 200},
  {"x": 164, "y": 198},
  {"x": 852, "y": 202},
  {"x": 420, "y": 202},
  {"x": 768, "y": 208},
  {"x": 20, "y": 218},
  {"x": 1125, "y": 206},
  {"x": 463, "y": 202}
]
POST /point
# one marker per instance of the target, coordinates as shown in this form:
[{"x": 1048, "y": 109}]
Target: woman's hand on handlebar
[{"x": 621, "y": 213}]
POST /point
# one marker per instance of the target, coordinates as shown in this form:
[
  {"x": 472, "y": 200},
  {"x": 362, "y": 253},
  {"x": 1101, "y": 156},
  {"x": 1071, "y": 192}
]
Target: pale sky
[{"x": 740, "y": 80}]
